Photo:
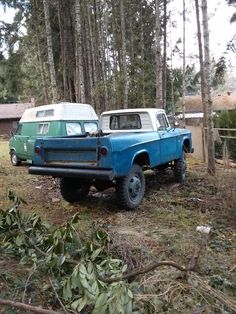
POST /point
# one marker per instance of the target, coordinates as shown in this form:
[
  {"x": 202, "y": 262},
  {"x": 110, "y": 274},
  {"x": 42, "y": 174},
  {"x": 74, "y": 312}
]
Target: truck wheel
[
  {"x": 74, "y": 190},
  {"x": 14, "y": 159},
  {"x": 130, "y": 189},
  {"x": 180, "y": 169}
]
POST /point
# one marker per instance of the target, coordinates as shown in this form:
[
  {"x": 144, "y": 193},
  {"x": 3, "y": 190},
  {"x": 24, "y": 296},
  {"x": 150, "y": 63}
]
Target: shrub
[{"x": 227, "y": 120}]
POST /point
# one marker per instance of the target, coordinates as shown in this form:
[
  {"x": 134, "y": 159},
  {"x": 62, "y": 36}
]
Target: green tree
[{"x": 219, "y": 73}]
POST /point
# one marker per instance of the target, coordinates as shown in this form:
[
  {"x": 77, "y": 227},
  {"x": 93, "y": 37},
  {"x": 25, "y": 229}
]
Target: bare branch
[{"x": 26, "y": 307}]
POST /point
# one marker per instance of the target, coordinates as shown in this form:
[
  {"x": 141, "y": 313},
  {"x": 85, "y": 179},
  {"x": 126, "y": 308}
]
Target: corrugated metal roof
[
  {"x": 13, "y": 111},
  {"x": 220, "y": 102}
]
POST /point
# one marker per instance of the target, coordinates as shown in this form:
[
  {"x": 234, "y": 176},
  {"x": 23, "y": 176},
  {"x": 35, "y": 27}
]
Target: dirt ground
[{"x": 163, "y": 227}]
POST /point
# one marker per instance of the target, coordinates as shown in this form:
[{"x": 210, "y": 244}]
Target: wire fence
[{"x": 225, "y": 144}]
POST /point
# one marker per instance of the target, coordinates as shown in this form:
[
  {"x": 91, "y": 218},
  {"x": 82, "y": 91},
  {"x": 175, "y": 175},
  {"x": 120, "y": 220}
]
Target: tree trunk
[
  {"x": 124, "y": 61},
  {"x": 50, "y": 52},
  {"x": 143, "y": 102},
  {"x": 210, "y": 138},
  {"x": 115, "y": 57},
  {"x": 95, "y": 99},
  {"x": 201, "y": 62},
  {"x": 159, "y": 103},
  {"x": 171, "y": 68},
  {"x": 103, "y": 56},
  {"x": 164, "y": 79},
  {"x": 61, "y": 21},
  {"x": 79, "y": 71},
  {"x": 89, "y": 89},
  {"x": 39, "y": 54},
  {"x": 184, "y": 67}
]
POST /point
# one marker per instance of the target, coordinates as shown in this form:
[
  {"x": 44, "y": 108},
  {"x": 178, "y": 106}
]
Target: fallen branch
[
  {"x": 57, "y": 296},
  {"x": 191, "y": 266},
  {"x": 143, "y": 270},
  {"x": 26, "y": 307},
  {"x": 216, "y": 294}
]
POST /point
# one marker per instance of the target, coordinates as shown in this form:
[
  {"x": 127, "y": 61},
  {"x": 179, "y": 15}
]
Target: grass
[
  {"x": 163, "y": 227},
  {"x": 4, "y": 151}
]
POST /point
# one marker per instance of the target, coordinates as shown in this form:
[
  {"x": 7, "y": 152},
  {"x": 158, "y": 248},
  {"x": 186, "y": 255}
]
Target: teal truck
[
  {"x": 63, "y": 119},
  {"x": 128, "y": 142}
]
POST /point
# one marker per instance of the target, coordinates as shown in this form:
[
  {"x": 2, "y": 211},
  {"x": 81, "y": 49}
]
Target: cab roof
[{"x": 134, "y": 110}]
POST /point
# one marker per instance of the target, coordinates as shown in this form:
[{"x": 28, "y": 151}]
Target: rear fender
[
  {"x": 141, "y": 158},
  {"x": 187, "y": 145}
]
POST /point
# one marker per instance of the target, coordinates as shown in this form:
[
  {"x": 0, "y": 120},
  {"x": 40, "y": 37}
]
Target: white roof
[
  {"x": 60, "y": 111},
  {"x": 147, "y": 115},
  {"x": 133, "y": 110}
]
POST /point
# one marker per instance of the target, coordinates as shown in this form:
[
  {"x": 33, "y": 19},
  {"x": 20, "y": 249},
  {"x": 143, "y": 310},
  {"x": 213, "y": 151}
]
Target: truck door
[
  {"x": 168, "y": 139},
  {"x": 19, "y": 142}
]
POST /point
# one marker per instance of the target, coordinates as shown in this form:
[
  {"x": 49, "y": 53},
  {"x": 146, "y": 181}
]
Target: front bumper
[{"x": 100, "y": 174}]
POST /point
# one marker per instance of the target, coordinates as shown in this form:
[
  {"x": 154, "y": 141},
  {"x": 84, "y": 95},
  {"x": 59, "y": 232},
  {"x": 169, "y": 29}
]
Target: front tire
[
  {"x": 180, "y": 169},
  {"x": 130, "y": 189},
  {"x": 74, "y": 190},
  {"x": 15, "y": 161}
]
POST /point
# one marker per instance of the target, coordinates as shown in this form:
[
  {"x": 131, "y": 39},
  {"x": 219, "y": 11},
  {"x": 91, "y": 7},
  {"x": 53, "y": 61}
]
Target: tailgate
[{"x": 78, "y": 152}]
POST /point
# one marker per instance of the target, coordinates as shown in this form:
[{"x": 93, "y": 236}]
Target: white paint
[{"x": 62, "y": 111}]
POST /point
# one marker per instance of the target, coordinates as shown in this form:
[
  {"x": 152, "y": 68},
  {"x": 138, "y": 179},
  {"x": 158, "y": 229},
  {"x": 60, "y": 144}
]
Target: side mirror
[{"x": 176, "y": 124}]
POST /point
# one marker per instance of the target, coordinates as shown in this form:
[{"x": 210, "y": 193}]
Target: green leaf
[
  {"x": 82, "y": 269},
  {"x": 74, "y": 218},
  {"x": 61, "y": 260},
  {"x": 75, "y": 270},
  {"x": 79, "y": 304},
  {"x": 35, "y": 221},
  {"x": 128, "y": 307},
  {"x": 67, "y": 293},
  {"x": 101, "y": 304},
  {"x": 90, "y": 267},
  {"x": 124, "y": 268},
  {"x": 57, "y": 234},
  {"x": 94, "y": 289},
  {"x": 19, "y": 240},
  {"x": 75, "y": 281},
  {"x": 96, "y": 253},
  {"x": 82, "y": 304},
  {"x": 8, "y": 220},
  {"x": 130, "y": 294},
  {"x": 84, "y": 283}
]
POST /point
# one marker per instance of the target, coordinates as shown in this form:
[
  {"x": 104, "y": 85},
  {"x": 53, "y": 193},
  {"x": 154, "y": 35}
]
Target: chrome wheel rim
[{"x": 134, "y": 188}]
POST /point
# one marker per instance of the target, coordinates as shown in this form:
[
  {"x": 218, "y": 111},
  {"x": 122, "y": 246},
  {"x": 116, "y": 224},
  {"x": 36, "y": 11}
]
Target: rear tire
[
  {"x": 130, "y": 189},
  {"x": 15, "y": 161},
  {"x": 74, "y": 190},
  {"x": 180, "y": 169}
]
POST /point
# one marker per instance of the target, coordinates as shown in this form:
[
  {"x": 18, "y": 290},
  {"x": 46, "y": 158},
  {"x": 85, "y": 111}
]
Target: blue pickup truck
[{"x": 128, "y": 142}]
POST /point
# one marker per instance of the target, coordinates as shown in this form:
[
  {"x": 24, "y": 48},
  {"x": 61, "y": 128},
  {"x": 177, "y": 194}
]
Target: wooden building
[{"x": 10, "y": 115}]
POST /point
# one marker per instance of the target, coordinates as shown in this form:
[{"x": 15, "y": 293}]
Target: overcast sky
[{"x": 221, "y": 31}]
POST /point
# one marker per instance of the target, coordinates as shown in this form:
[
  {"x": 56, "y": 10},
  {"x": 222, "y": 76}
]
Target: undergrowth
[{"x": 54, "y": 267}]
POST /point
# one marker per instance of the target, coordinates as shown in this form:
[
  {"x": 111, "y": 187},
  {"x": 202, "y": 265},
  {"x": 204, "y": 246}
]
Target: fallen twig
[
  {"x": 192, "y": 265},
  {"x": 57, "y": 296},
  {"x": 143, "y": 270},
  {"x": 233, "y": 268},
  {"x": 26, "y": 307},
  {"x": 26, "y": 285},
  {"x": 216, "y": 294}
]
